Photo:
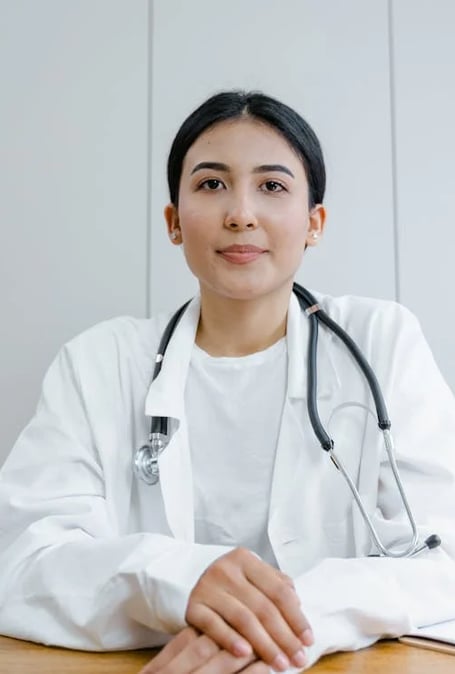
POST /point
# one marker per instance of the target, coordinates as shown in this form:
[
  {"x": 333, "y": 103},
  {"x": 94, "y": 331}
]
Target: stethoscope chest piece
[{"x": 145, "y": 465}]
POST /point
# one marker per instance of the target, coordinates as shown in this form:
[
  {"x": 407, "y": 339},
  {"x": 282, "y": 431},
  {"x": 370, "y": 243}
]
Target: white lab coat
[{"x": 91, "y": 558}]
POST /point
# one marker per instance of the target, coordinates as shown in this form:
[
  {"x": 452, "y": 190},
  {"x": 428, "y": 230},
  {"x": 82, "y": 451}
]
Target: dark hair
[{"x": 234, "y": 104}]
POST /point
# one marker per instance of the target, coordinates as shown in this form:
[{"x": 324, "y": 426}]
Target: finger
[
  {"x": 279, "y": 588},
  {"x": 170, "y": 650},
  {"x": 209, "y": 622},
  {"x": 284, "y": 641},
  {"x": 237, "y": 615},
  {"x": 263, "y": 626},
  {"x": 237, "y": 589},
  {"x": 194, "y": 655},
  {"x": 257, "y": 667},
  {"x": 226, "y": 663}
]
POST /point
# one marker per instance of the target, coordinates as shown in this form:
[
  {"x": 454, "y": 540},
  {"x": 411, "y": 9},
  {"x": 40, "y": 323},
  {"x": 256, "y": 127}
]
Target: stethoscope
[{"x": 145, "y": 464}]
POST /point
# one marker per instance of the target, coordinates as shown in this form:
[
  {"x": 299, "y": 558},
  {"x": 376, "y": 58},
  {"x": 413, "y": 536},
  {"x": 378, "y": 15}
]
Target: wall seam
[
  {"x": 148, "y": 219},
  {"x": 393, "y": 138}
]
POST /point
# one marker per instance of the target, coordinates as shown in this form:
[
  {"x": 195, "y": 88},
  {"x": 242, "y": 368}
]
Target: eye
[
  {"x": 273, "y": 186},
  {"x": 211, "y": 184}
]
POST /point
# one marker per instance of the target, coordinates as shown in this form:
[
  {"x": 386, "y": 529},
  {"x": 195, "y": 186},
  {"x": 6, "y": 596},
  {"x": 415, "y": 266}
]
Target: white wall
[
  {"x": 92, "y": 92},
  {"x": 424, "y": 48},
  {"x": 73, "y": 181}
]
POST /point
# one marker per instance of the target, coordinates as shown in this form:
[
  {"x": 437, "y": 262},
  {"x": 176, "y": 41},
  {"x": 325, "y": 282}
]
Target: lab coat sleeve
[
  {"x": 67, "y": 577},
  {"x": 352, "y": 603}
]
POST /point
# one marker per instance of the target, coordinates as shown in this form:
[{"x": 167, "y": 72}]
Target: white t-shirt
[{"x": 234, "y": 408}]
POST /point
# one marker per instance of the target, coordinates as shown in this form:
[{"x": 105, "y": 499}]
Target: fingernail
[
  {"x": 280, "y": 663},
  {"x": 299, "y": 658},
  {"x": 242, "y": 648},
  {"x": 307, "y": 637}
]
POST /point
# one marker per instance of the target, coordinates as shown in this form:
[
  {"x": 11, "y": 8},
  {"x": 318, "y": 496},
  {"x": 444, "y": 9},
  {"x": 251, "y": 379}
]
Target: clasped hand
[{"x": 244, "y": 616}]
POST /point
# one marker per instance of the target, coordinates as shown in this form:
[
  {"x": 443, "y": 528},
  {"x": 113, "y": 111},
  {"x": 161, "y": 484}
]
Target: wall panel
[
  {"x": 73, "y": 149},
  {"x": 424, "y": 58}
]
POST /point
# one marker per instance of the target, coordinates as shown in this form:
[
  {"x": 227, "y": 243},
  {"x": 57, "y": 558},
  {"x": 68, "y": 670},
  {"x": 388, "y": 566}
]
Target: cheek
[
  {"x": 197, "y": 235},
  {"x": 193, "y": 224},
  {"x": 292, "y": 230},
  {"x": 194, "y": 220}
]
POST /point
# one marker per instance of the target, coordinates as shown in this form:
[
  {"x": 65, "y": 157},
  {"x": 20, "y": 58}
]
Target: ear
[
  {"x": 316, "y": 225},
  {"x": 173, "y": 228}
]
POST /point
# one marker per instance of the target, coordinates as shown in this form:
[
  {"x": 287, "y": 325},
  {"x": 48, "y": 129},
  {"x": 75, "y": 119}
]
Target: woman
[{"x": 93, "y": 558}]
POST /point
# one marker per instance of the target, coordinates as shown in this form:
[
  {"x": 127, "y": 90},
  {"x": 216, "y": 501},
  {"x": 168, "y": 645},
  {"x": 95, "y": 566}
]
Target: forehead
[{"x": 243, "y": 142}]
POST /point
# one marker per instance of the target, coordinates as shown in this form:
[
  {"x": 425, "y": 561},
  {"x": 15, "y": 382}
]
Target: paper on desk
[
  {"x": 437, "y": 637},
  {"x": 439, "y": 632}
]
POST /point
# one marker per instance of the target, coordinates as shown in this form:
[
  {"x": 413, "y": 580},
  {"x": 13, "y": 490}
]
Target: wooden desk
[{"x": 21, "y": 657}]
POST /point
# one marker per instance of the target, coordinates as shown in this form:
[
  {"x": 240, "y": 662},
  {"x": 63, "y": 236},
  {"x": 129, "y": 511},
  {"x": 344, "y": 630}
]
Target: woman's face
[{"x": 243, "y": 216}]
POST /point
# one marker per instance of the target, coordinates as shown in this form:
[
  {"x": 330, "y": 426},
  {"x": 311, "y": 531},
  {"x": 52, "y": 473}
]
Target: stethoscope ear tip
[
  {"x": 432, "y": 541},
  {"x": 429, "y": 543}
]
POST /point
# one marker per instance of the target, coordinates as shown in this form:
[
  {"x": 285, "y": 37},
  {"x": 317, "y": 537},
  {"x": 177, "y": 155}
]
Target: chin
[{"x": 243, "y": 292}]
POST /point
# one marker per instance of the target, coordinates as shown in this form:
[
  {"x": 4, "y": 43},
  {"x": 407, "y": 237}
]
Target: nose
[{"x": 240, "y": 215}]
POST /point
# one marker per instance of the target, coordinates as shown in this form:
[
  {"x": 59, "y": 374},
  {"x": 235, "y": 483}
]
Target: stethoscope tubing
[
  {"x": 309, "y": 305},
  {"x": 146, "y": 459},
  {"x": 159, "y": 425},
  {"x": 307, "y": 301}
]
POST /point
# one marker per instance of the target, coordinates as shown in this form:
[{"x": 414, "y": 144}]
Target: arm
[
  {"x": 71, "y": 577},
  {"x": 351, "y": 603},
  {"x": 68, "y": 575}
]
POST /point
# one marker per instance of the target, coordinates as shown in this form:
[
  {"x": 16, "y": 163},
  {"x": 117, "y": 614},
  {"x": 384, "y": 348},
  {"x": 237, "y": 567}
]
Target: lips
[
  {"x": 237, "y": 248},
  {"x": 241, "y": 254}
]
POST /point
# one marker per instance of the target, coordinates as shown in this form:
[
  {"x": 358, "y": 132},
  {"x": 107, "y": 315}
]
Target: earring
[
  {"x": 174, "y": 236},
  {"x": 315, "y": 236}
]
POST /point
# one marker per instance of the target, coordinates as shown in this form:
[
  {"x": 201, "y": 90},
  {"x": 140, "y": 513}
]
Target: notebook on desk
[{"x": 438, "y": 637}]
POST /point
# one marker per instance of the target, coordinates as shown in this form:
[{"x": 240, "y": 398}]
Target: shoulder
[
  {"x": 384, "y": 330},
  {"x": 121, "y": 343},
  {"x": 118, "y": 332},
  {"x": 387, "y": 333},
  {"x": 368, "y": 315}
]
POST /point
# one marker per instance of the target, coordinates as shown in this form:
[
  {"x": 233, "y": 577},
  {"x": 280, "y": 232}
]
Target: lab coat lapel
[
  {"x": 295, "y": 487},
  {"x": 166, "y": 398}
]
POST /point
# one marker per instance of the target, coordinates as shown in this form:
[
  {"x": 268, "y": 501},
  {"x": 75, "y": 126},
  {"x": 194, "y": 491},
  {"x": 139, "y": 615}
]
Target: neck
[{"x": 230, "y": 327}]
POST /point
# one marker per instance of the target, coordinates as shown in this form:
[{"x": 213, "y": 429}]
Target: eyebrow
[
  {"x": 268, "y": 168},
  {"x": 263, "y": 168}
]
